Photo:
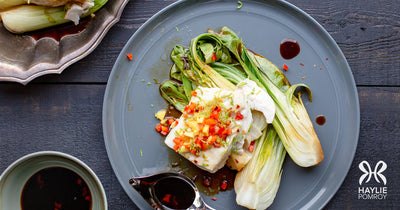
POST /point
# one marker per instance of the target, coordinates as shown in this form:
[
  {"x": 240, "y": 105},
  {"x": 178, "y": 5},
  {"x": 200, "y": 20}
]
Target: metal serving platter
[{"x": 23, "y": 58}]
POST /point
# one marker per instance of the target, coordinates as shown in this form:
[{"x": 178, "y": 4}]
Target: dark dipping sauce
[
  {"x": 320, "y": 120},
  {"x": 289, "y": 48},
  {"x": 56, "y": 188},
  {"x": 174, "y": 193}
]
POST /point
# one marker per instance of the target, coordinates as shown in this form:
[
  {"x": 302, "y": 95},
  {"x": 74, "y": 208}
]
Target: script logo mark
[{"x": 379, "y": 168}]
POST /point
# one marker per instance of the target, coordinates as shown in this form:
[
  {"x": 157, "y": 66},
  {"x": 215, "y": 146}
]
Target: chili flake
[
  {"x": 207, "y": 181},
  {"x": 239, "y": 116},
  {"x": 251, "y": 146},
  {"x": 224, "y": 184},
  {"x": 214, "y": 57},
  {"x": 130, "y": 56},
  {"x": 193, "y": 93},
  {"x": 285, "y": 67}
]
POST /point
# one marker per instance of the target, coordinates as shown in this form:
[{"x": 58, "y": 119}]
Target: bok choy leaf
[{"x": 174, "y": 93}]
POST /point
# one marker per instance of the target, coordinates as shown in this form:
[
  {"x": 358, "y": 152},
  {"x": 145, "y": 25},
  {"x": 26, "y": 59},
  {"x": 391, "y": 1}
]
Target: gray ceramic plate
[
  {"x": 135, "y": 149},
  {"x": 22, "y": 58}
]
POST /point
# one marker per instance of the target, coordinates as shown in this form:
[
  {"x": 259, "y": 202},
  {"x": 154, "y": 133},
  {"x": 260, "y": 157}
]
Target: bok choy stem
[
  {"x": 28, "y": 17},
  {"x": 258, "y": 182}
]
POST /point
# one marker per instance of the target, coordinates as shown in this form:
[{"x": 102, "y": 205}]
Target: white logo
[
  {"x": 379, "y": 168},
  {"x": 372, "y": 192}
]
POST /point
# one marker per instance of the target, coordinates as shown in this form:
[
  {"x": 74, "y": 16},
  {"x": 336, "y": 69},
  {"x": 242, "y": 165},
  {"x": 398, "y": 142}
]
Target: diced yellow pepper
[{"x": 206, "y": 129}]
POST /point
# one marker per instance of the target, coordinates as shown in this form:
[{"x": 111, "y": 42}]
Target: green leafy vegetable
[
  {"x": 174, "y": 94},
  {"x": 222, "y": 60},
  {"x": 25, "y": 18}
]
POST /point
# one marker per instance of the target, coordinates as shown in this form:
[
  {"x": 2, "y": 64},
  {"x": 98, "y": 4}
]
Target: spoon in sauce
[{"x": 169, "y": 191}]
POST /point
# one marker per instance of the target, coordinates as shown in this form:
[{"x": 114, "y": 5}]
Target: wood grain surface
[{"x": 66, "y": 109}]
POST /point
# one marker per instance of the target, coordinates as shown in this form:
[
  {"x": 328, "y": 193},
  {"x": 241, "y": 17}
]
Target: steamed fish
[{"x": 217, "y": 123}]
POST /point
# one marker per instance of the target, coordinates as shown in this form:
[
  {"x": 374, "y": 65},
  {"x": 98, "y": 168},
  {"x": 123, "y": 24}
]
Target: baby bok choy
[
  {"x": 291, "y": 122},
  {"x": 258, "y": 182},
  {"x": 29, "y": 17}
]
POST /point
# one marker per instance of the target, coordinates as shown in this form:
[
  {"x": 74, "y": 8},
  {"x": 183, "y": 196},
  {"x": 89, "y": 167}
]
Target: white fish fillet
[{"x": 249, "y": 97}]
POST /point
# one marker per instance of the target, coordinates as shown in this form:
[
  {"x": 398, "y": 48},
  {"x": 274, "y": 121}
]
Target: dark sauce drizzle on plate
[
  {"x": 289, "y": 48},
  {"x": 320, "y": 120},
  {"x": 207, "y": 183}
]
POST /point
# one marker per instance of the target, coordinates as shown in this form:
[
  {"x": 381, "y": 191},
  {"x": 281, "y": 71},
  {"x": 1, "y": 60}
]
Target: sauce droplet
[
  {"x": 320, "y": 120},
  {"x": 289, "y": 48}
]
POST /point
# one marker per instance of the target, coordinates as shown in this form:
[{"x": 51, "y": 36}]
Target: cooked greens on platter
[
  {"x": 20, "y": 16},
  {"x": 238, "y": 109}
]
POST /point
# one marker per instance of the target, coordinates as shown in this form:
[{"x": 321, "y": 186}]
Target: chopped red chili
[
  {"x": 57, "y": 205},
  {"x": 239, "y": 116},
  {"x": 130, "y": 56},
  {"x": 167, "y": 198},
  {"x": 194, "y": 93},
  {"x": 170, "y": 121},
  {"x": 207, "y": 181},
  {"x": 158, "y": 127},
  {"x": 285, "y": 67},
  {"x": 224, "y": 184},
  {"x": 251, "y": 147}
]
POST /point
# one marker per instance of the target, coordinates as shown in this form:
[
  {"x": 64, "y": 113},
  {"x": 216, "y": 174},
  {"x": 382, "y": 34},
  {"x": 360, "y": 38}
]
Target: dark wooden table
[{"x": 64, "y": 112}]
